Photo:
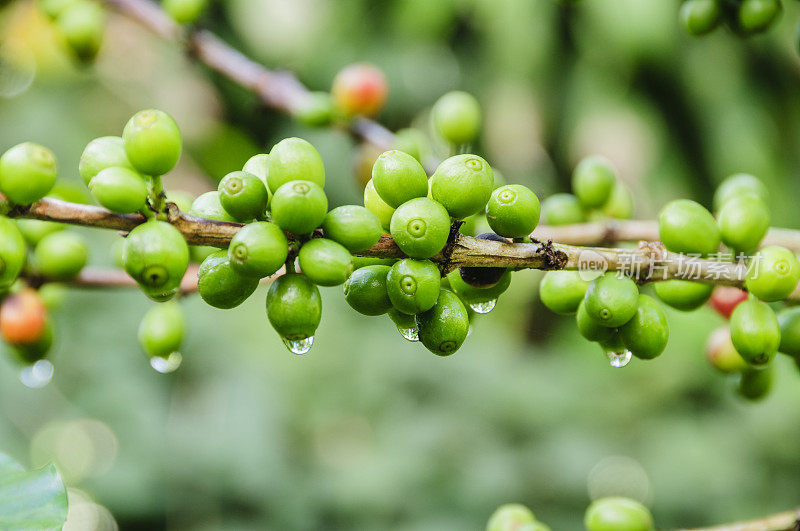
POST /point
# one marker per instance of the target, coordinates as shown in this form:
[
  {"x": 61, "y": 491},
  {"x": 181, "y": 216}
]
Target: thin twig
[
  {"x": 649, "y": 262},
  {"x": 785, "y": 521},
  {"x": 620, "y": 230},
  {"x": 280, "y": 90}
]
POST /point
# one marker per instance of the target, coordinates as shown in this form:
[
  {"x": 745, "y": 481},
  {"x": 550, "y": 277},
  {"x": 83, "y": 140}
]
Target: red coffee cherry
[
  {"x": 23, "y": 317},
  {"x": 360, "y": 88}
]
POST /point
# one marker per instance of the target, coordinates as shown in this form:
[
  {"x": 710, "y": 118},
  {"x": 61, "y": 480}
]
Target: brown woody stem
[{"x": 649, "y": 262}]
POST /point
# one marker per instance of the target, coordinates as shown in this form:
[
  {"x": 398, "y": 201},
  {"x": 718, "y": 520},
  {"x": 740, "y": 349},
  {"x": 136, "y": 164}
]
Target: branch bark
[
  {"x": 785, "y": 521},
  {"x": 649, "y": 262}
]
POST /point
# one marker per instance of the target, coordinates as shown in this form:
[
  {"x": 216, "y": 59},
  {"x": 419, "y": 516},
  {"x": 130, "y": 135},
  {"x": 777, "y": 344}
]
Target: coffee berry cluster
[
  {"x": 285, "y": 231},
  {"x": 743, "y": 17},
  {"x": 604, "y": 514},
  {"x": 80, "y": 24}
]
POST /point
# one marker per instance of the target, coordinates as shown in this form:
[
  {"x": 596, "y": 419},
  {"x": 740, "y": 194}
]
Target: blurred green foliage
[{"x": 368, "y": 431}]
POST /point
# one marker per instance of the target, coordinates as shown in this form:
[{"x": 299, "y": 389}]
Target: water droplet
[
  {"x": 484, "y": 307},
  {"x": 411, "y": 334},
  {"x": 36, "y": 375},
  {"x": 469, "y": 331},
  {"x": 300, "y": 346},
  {"x": 619, "y": 359},
  {"x": 168, "y": 364}
]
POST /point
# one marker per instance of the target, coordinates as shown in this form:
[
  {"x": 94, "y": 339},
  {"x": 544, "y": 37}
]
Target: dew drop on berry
[
  {"x": 619, "y": 359},
  {"x": 484, "y": 307},
  {"x": 36, "y": 375},
  {"x": 410, "y": 334},
  {"x": 299, "y": 346},
  {"x": 168, "y": 364}
]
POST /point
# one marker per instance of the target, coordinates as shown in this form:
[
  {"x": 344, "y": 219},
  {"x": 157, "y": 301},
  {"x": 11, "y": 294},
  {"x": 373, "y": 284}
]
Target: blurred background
[{"x": 369, "y": 431}]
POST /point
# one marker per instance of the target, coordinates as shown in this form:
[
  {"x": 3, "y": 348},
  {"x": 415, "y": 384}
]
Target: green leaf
[{"x": 31, "y": 500}]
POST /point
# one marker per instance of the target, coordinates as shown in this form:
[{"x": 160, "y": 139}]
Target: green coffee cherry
[
  {"x": 299, "y": 207},
  {"x": 294, "y": 307},
  {"x": 473, "y": 295},
  {"x": 406, "y": 324},
  {"x": 789, "y": 321},
  {"x": 365, "y": 291},
  {"x": 562, "y": 209},
  {"x": 156, "y": 256},
  {"x": 258, "y": 165},
  {"x": 184, "y": 11},
  {"x": 513, "y": 211},
  {"x": 756, "y": 16},
  {"x": 365, "y": 261},
  {"x": 53, "y": 8},
  {"x": 258, "y": 249},
  {"x": 413, "y": 285},
  {"x": 483, "y": 277},
  {"x": 612, "y": 300},
  {"x": 620, "y": 203},
  {"x": 700, "y": 17},
  {"x": 683, "y": 295},
  {"x": 617, "y": 514},
  {"x": 755, "y": 384},
  {"x": 161, "y": 330},
  {"x": 61, "y": 255},
  {"x": 33, "y": 230},
  {"x": 209, "y": 206},
  {"x": 119, "y": 190},
  {"x": 398, "y": 177},
  {"x": 612, "y": 344},
  {"x": 755, "y": 332},
  {"x": 562, "y": 291},
  {"x": 411, "y": 141},
  {"x": 32, "y": 352},
  {"x": 376, "y": 205},
  {"x": 646, "y": 335},
  {"x": 53, "y": 295},
  {"x": 294, "y": 159},
  {"x": 743, "y": 222},
  {"x": 739, "y": 184},
  {"x": 152, "y": 142},
  {"x": 686, "y": 227},
  {"x": 219, "y": 285},
  {"x": 592, "y": 181},
  {"x": 592, "y": 329},
  {"x": 12, "y": 252},
  {"x": 773, "y": 273},
  {"x": 198, "y": 253},
  {"x": 721, "y": 353},
  {"x": 443, "y": 328},
  {"x": 463, "y": 185},
  {"x": 101, "y": 153},
  {"x": 353, "y": 226},
  {"x": 317, "y": 110},
  {"x": 325, "y": 262},
  {"x": 71, "y": 192},
  {"x": 457, "y": 117},
  {"x": 82, "y": 25},
  {"x": 243, "y": 196},
  {"x": 27, "y": 173},
  {"x": 533, "y": 526},
  {"x": 510, "y": 517},
  {"x": 420, "y": 227}
]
